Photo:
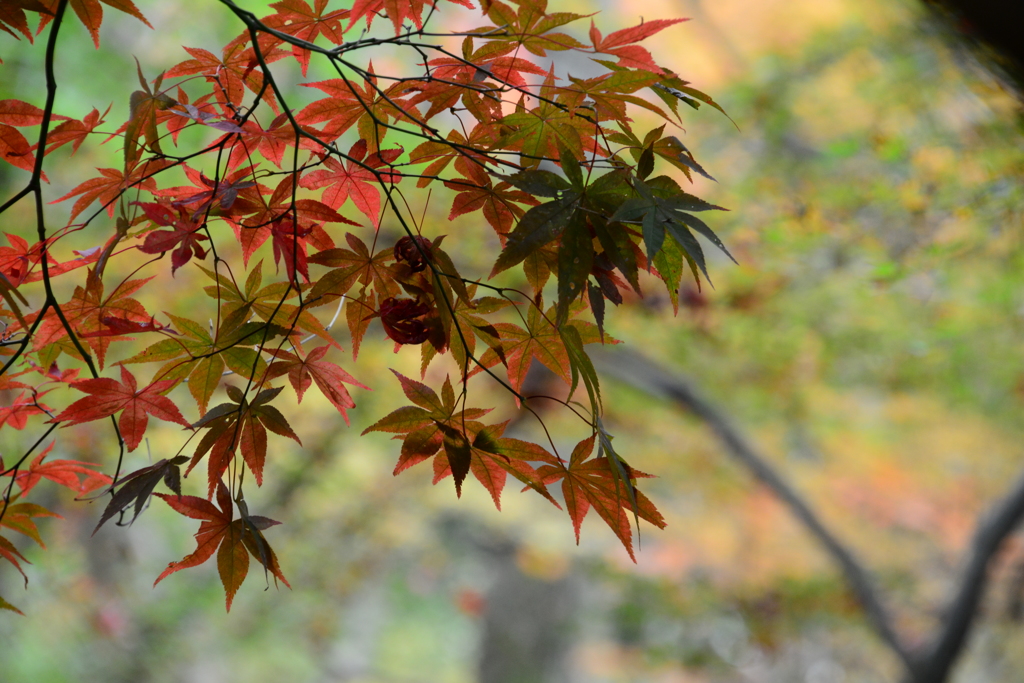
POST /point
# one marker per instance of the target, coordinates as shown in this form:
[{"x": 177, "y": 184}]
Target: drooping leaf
[
  {"x": 137, "y": 486},
  {"x": 232, "y": 539}
]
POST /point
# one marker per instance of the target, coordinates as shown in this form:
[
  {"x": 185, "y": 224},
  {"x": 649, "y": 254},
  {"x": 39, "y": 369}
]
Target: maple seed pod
[
  {"x": 412, "y": 250},
  {"x": 399, "y": 319}
]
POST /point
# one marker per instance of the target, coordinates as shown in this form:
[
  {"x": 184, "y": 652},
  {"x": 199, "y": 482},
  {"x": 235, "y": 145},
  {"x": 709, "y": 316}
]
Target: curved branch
[
  {"x": 958, "y": 617},
  {"x": 644, "y": 374}
]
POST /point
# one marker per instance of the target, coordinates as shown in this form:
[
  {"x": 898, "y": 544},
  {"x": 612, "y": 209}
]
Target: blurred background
[{"x": 869, "y": 342}]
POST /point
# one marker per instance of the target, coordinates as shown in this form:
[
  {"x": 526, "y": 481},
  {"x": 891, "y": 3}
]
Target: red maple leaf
[
  {"x": 18, "y": 262},
  {"x": 74, "y": 131},
  {"x": 236, "y": 539},
  {"x": 242, "y": 424},
  {"x": 117, "y": 327},
  {"x": 112, "y": 183},
  {"x": 359, "y": 179},
  {"x": 436, "y": 427},
  {"x": 297, "y": 18},
  {"x": 591, "y": 483},
  {"x": 24, "y": 406},
  {"x": 231, "y": 74},
  {"x": 271, "y": 142},
  {"x": 90, "y": 12},
  {"x": 397, "y": 10},
  {"x": 329, "y": 377},
  {"x": 619, "y": 43},
  {"x": 12, "y": 16},
  {"x": 234, "y": 195},
  {"x": 476, "y": 191},
  {"x": 369, "y": 108},
  {"x": 183, "y": 238},
  {"x": 289, "y": 242},
  {"x": 86, "y": 311},
  {"x": 108, "y": 396},
  {"x": 541, "y": 341},
  {"x": 64, "y": 472},
  {"x": 15, "y": 149}
]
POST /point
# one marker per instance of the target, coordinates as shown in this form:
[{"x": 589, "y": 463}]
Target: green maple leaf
[{"x": 663, "y": 209}]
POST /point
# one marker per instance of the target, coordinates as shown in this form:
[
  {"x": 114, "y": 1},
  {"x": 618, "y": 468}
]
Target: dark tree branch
[
  {"x": 635, "y": 369},
  {"x": 958, "y": 617},
  {"x": 932, "y": 663}
]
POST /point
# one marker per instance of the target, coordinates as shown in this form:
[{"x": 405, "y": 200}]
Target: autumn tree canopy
[{"x": 276, "y": 210}]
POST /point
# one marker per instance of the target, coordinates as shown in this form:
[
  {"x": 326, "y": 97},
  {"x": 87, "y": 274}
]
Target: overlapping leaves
[{"x": 553, "y": 167}]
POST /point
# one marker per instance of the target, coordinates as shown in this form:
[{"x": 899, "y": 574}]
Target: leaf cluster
[{"x": 552, "y": 162}]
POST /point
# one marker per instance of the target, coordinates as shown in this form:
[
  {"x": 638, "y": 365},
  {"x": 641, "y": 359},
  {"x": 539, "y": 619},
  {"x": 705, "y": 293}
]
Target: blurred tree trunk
[
  {"x": 992, "y": 29},
  {"x": 528, "y": 624}
]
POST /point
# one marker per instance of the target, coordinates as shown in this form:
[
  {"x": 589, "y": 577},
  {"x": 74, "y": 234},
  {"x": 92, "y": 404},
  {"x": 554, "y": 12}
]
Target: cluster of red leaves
[{"x": 591, "y": 228}]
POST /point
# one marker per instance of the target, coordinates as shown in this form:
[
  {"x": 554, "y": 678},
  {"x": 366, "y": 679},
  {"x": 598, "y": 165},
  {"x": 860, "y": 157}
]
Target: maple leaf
[
  {"x": 537, "y": 132},
  {"x": 440, "y": 153},
  {"x": 620, "y": 42},
  {"x": 289, "y": 242},
  {"x": 19, "y": 113},
  {"x": 609, "y": 94},
  {"x": 499, "y": 203},
  {"x": 537, "y": 227},
  {"x": 143, "y": 106},
  {"x": 357, "y": 179},
  {"x": 432, "y": 420},
  {"x": 232, "y": 539},
  {"x": 218, "y": 197},
  {"x": 329, "y": 377},
  {"x": 397, "y": 11},
  {"x": 90, "y": 12},
  {"x": 540, "y": 340},
  {"x": 592, "y": 483},
  {"x": 369, "y": 108},
  {"x": 358, "y": 312},
  {"x": 661, "y": 209},
  {"x": 85, "y": 312},
  {"x": 10, "y": 552},
  {"x": 468, "y": 323},
  {"x": 12, "y": 16},
  {"x": 253, "y": 230},
  {"x": 202, "y": 357},
  {"x": 183, "y": 238},
  {"x": 63, "y": 472},
  {"x": 138, "y": 485},
  {"x": 74, "y": 131},
  {"x": 242, "y": 425},
  {"x": 15, "y": 149},
  {"x": 24, "y": 406},
  {"x": 18, "y": 260},
  {"x": 297, "y": 18},
  {"x": 267, "y": 303},
  {"x": 493, "y": 458},
  {"x": 108, "y": 396},
  {"x": 355, "y": 265},
  {"x": 117, "y": 327},
  {"x": 530, "y": 26},
  {"x": 451, "y": 78},
  {"x": 235, "y": 70},
  {"x": 113, "y": 183},
  {"x": 271, "y": 141},
  {"x": 20, "y": 517}
]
